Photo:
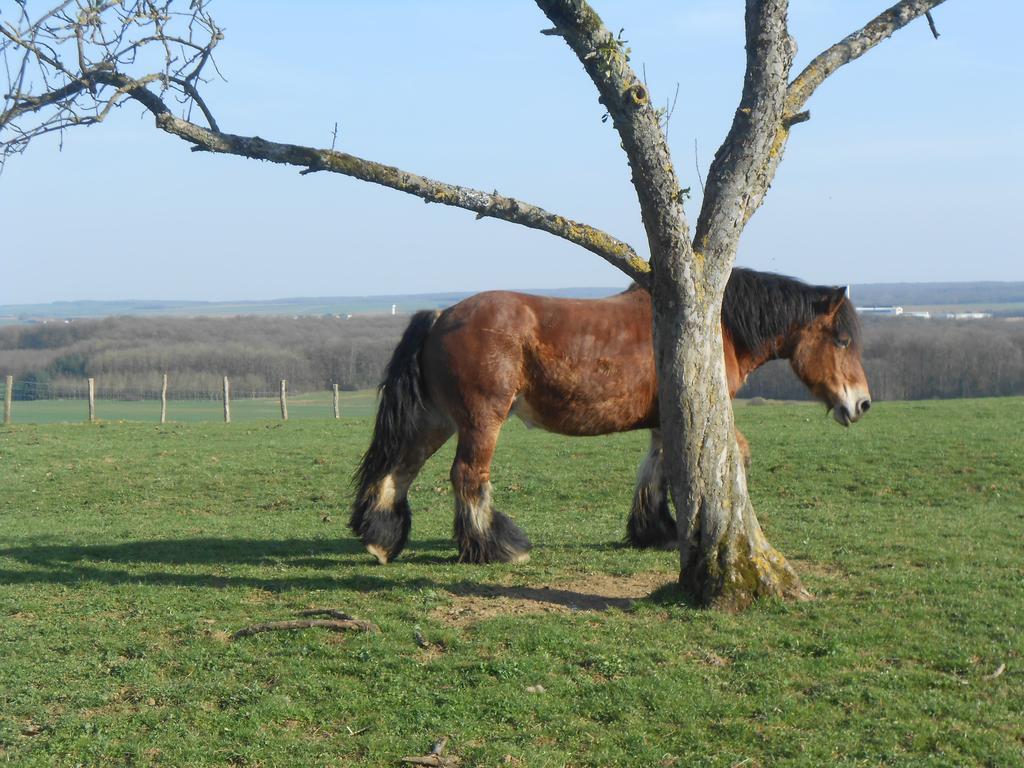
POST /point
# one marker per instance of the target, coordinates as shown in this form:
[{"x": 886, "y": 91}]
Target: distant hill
[
  {"x": 999, "y": 297},
  {"x": 317, "y": 306},
  {"x": 989, "y": 294}
]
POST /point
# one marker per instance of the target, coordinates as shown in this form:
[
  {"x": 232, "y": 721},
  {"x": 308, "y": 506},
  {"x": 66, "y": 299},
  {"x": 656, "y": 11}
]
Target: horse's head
[{"x": 826, "y": 357}]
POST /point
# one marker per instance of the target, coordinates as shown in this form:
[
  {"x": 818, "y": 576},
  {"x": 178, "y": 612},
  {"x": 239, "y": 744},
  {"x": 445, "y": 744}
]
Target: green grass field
[{"x": 130, "y": 551}]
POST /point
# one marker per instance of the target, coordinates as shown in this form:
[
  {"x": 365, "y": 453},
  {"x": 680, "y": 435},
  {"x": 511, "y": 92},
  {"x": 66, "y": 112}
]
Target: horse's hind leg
[
  {"x": 744, "y": 448},
  {"x": 650, "y": 521},
  {"x": 482, "y": 533},
  {"x": 381, "y": 516}
]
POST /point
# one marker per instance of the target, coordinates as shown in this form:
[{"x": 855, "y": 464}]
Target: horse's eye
[{"x": 842, "y": 342}]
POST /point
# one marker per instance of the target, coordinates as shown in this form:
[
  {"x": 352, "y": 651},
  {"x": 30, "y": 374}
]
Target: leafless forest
[
  {"x": 906, "y": 358},
  {"x": 128, "y": 355}
]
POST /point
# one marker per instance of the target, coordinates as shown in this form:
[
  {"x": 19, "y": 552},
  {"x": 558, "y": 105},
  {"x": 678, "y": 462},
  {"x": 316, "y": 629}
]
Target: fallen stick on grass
[
  {"x": 334, "y": 613},
  {"x": 341, "y": 622},
  {"x": 435, "y": 758},
  {"x": 997, "y": 673}
]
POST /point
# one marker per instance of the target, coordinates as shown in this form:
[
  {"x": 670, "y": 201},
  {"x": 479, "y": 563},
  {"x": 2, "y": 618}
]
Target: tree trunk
[{"x": 725, "y": 560}]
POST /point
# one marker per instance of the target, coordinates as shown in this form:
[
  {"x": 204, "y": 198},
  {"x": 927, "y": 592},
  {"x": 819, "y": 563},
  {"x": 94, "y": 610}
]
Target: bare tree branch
[
  {"x": 823, "y": 65},
  {"x": 852, "y": 47},
  {"x": 606, "y": 59},
  {"x": 190, "y": 89},
  {"x": 736, "y": 175},
  {"x": 696, "y": 166},
  {"x": 70, "y": 45},
  {"x": 484, "y": 204},
  {"x": 105, "y": 39}
]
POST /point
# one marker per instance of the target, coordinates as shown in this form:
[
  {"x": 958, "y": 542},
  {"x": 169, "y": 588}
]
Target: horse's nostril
[{"x": 863, "y": 406}]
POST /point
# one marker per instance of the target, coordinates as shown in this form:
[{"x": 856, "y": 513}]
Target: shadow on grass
[
  {"x": 339, "y": 564},
  {"x": 672, "y": 594},
  {"x": 74, "y": 564},
  {"x": 315, "y": 553},
  {"x": 573, "y": 599},
  {"x": 75, "y": 575}
]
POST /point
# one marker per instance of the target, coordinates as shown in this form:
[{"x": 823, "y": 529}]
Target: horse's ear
[{"x": 830, "y": 300}]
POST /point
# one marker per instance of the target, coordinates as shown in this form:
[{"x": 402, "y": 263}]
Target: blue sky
[{"x": 908, "y": 171}]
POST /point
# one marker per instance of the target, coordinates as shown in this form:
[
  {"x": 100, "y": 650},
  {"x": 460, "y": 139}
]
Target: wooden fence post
[
  {"x": 8, "y": 399},
  {"x": 163, "y": 402},
  {"x": 227, "y": 401},
  {"x": 337, "y": 409},
  {"x": 92, "y": 400},
  {"x": 284, "y": 399}
]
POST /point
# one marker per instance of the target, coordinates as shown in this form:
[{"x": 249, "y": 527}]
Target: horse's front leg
[{"x": 650, "y": 521}]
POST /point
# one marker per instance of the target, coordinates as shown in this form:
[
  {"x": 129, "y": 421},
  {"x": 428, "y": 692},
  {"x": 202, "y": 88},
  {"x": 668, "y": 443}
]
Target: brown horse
[{"x": 576, "y": 367}]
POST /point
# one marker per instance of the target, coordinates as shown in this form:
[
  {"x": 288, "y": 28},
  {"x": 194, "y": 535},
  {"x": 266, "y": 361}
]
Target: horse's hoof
[
  {"x": 664, "y": 543},
  {"x": 481, "y": 558},
  {"x": 380, "y": 553}
]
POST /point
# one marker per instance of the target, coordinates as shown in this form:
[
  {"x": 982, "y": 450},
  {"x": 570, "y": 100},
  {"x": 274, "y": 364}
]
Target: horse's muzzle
[{"x": 845, "y": 416}]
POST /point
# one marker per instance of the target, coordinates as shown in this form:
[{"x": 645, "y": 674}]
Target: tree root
[{"x": 339, "y": 622}]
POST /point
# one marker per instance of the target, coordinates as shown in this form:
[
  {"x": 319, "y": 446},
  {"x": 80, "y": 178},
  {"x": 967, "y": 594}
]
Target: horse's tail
[{"x": 403, "y": 399}]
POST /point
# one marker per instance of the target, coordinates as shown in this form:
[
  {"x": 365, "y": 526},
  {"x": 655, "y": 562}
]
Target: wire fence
[
  {"x": 36, "y": 402},
  {"x": 27, "y": 391}
]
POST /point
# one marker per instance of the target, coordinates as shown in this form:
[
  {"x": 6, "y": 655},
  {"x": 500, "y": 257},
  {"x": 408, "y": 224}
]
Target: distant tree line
[
  {"x": 905, "y": 358},
  {"x": 131, "y": 354}
]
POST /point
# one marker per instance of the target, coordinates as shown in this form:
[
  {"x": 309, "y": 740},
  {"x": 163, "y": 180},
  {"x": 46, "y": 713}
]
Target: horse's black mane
[{"x": 760, "y": 307}]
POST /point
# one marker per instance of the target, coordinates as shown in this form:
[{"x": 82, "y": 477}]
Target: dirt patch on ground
[
  {"x": 597, "y": 592},
  {"x": 817, "y": 568}
]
